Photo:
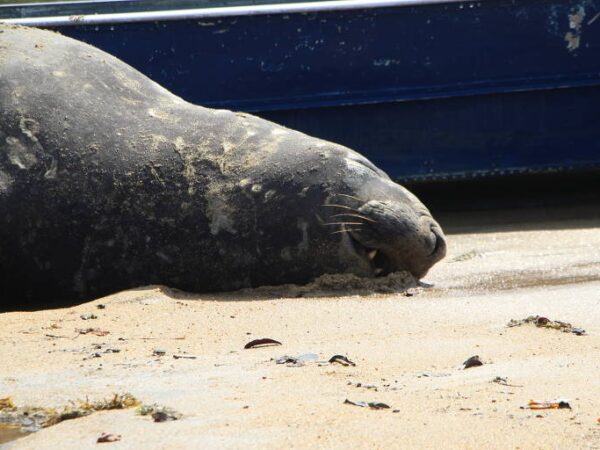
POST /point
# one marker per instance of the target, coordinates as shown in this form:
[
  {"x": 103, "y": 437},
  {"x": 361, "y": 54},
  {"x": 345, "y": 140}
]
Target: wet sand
[{"x": 408, "y": 352}]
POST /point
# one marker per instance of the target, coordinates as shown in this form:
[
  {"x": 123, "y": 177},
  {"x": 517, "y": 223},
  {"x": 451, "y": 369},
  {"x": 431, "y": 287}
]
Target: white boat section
[{"x": 228, "y": 11}]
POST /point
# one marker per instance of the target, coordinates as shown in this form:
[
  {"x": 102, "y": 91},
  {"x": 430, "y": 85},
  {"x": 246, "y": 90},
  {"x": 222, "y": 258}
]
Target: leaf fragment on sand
[
  {"x": 371, "y": 405},
  {"x": 108, "y": 437},
  {"x": 261, "y": 343},
  {"x": 341, "y": 359},
  {"x": 550, "y": 404},
  {"x": 473, "y": 361}
]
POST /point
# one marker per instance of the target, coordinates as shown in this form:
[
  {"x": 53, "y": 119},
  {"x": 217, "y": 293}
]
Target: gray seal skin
[{"x": 108, "y": 181}]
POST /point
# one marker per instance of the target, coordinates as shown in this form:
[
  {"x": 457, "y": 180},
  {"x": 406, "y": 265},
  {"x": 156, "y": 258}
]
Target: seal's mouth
[
  {"x": 381, "y": 265},
  {"x": 383, "y": 262}
]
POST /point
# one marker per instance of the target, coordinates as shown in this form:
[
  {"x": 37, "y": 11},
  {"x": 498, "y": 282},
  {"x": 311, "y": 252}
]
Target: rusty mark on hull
[{"x": 573, "y": 37}]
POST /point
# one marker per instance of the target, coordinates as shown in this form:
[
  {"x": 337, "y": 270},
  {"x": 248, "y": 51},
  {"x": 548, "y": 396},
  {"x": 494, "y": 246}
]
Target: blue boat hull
[{"x": 432, "y": 91}]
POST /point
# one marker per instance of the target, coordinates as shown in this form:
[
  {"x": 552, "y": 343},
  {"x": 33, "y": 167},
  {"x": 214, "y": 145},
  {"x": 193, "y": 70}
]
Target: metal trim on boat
[{"x": 228, "y": 11}]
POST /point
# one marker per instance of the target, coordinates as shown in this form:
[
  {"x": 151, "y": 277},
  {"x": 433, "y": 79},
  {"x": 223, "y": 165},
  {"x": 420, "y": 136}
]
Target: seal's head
[
  {"x": 381, "y": 225},
  {"x": 333, "y": 211}
]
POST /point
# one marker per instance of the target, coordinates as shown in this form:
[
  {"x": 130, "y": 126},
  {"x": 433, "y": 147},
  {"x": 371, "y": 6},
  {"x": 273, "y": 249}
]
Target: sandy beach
[{"x": 408, "y": 348}]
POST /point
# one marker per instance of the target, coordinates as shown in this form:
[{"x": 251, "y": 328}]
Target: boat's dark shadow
[
  {"x": 514, "y": 203},
  {"x": 521, "y": 219}
]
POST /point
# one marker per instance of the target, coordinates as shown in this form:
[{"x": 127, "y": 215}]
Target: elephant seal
[{"x": 108, "y": 181}]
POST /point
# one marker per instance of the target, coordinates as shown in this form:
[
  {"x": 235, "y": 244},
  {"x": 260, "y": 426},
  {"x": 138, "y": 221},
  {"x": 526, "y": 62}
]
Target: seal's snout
[{"x": 395, "y": 236}]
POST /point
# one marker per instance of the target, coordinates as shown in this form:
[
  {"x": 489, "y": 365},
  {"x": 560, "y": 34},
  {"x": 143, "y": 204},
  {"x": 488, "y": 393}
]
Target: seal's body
[{"x": 108, "y": 181}]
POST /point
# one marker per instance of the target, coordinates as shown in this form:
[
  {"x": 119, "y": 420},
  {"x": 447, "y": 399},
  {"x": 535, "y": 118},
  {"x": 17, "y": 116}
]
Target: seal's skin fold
[{"x": 108, "y": 181}]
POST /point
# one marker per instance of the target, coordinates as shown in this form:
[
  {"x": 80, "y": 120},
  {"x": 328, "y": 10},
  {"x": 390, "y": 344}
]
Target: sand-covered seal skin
[{"x": 108, "y": 181}]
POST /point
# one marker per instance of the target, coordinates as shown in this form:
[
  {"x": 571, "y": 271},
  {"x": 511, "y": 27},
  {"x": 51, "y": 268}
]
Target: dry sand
[{"x": 408, "y": 352}]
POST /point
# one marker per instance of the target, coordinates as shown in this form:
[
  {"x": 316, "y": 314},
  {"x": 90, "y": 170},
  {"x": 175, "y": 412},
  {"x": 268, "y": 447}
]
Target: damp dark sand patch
[
  {"x": 520, "y": 280},
  {"x": 9, "y": 433},
  {"x": 509, "y": 280}
]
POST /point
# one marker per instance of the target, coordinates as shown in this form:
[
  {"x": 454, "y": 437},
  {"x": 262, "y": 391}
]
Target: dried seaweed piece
[
  {"x": 159, "y": 413},
  {"x": 184, "y": 357},
  {"x": 341, "y": 359},
  {"x": 473, "y": 361},
  {"x": 544, "y": 322},
  {"x": 6, "y": 403},
  {"x": 504, "y": 382},
  {"x": 54, "y": 336},
  {"x": 551, "y": 404},
  {"x": 31, "y": 418},
  {"x": 162, "y": 416},
  {"x": 70, "y": 414},
  {"x": 94, "y": 331},
  {"x": 261, "y": 343},
  {"x": 108, "y": 437},
  {"x": 118, "y": 401},
  {"x": 372, "y": 405},
  {"x": 434, "y": 375}
]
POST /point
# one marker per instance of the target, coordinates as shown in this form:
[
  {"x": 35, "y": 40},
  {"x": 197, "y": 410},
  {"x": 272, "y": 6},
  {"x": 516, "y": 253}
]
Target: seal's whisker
[
  {"x": 337, "y": 205},
  {"x": 344, "y": 230},
  {"x": 344, "y": 223},
  {"x": 334, "y": 205},
  {"x": 351, "y": 196},
  {"x": 368, "y": 219}
]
